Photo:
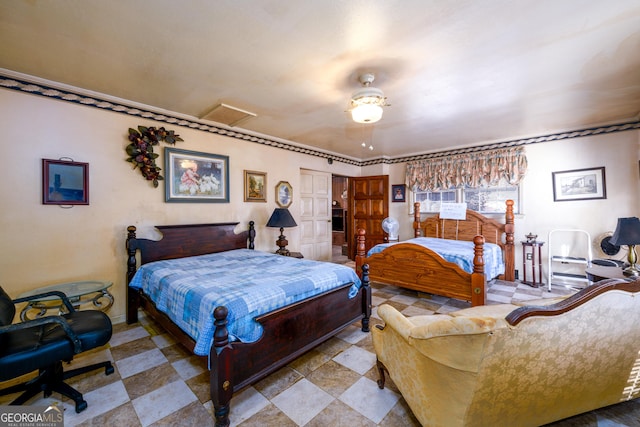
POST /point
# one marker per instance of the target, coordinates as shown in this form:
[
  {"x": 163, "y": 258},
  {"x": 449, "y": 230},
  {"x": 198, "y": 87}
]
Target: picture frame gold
[
  {"x": 255, "y": 186},
  {"x": 284, "y": 194}
]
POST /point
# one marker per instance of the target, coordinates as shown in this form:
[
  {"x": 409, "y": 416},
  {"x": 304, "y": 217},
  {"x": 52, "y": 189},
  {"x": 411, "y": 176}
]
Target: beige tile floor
[{"x": 158, "y": 383}]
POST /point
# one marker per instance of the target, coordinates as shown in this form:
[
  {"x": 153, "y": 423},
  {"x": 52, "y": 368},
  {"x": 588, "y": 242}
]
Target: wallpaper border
[{"x": 95, "y": 101}]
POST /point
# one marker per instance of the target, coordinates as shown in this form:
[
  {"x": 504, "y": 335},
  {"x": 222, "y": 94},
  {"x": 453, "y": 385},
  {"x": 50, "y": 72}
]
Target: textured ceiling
[{"x": 456, "y": 72}]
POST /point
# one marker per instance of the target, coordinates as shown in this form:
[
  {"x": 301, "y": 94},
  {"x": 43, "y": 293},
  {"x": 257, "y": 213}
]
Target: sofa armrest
[
  {"x": 453, "y": 341},
  {"x": 395, "y": 320}
]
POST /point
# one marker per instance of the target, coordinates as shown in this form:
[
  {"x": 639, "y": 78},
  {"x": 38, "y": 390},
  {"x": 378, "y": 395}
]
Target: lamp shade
[
  {"x": 627, "y": 232},
  {"x": 281, "y": 218}
]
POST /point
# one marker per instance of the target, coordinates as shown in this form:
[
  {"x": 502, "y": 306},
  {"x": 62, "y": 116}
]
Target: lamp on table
[
  {"x": 281, "y": 217},
  {"x": 628, "y": 233}
]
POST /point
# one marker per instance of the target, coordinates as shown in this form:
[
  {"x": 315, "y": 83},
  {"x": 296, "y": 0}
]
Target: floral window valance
[{"x": 472, "y": 170}]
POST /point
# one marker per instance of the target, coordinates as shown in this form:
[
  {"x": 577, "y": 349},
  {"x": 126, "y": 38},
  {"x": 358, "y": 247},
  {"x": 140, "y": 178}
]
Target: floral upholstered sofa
[{"x": 509, "y": 365}]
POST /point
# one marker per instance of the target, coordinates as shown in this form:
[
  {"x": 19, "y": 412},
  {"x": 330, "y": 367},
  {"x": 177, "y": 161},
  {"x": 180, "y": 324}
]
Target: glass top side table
[{"x": 96, "y": 292}]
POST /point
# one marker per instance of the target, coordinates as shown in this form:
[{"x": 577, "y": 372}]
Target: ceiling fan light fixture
[
  {"x": 367, "y": 102},
  {"x": 366, "y": 113}
]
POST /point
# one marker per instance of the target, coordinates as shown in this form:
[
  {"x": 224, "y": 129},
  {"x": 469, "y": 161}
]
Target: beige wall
[
  {"x": 46, "y": 244},
  {"x": 619, "y": 153}
]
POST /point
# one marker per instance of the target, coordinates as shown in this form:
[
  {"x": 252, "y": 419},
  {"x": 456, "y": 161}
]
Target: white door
[{"x": 315, "y": 215}]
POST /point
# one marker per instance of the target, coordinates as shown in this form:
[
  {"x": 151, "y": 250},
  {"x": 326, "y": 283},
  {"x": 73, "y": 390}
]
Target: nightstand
[{"x": 296, "y": 255}]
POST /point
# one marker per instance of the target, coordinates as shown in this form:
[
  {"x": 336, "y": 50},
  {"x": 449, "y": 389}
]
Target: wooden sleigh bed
[
  {"x": 288, "y": 332},
  {"x": 415, "y": 267}
]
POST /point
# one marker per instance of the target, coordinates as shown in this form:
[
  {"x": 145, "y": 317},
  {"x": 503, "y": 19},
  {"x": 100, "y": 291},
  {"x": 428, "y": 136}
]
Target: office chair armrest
[
  {"x": 58, "y": 294},
  {"x": 49, "y": 320}
]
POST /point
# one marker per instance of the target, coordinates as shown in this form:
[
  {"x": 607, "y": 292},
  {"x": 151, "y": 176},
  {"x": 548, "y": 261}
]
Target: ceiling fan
[{"x": 367, "y": 102}]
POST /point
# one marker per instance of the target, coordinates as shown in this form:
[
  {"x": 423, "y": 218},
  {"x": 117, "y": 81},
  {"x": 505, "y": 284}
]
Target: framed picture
[
  {"x": 65, "y": 182},
  {"x": 255, "y": 185},
  {"x": 579, "y": 184},
  {"x": 398, "y": 193},
  {"x": 196, "y": 177},
  {"x": 284, "y": 194}
]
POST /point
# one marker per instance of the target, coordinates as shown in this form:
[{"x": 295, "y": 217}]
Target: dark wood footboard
[{"x": 288, "y": 333}]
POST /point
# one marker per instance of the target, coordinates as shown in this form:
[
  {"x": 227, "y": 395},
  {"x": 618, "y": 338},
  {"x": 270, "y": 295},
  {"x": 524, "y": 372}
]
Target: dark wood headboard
[{"x": 180, "y": 241}]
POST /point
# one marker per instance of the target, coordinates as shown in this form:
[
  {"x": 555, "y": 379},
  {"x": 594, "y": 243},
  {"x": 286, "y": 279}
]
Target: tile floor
[{"x": 158, "y": 383}]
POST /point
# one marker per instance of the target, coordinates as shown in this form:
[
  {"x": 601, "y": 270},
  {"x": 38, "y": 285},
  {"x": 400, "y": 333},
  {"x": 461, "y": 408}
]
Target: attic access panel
[{"x": 228, "y": 115}]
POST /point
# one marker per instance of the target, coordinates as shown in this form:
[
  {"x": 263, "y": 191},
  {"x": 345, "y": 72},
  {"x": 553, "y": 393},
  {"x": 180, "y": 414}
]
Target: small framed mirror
[{"x": 65, "y": 182}]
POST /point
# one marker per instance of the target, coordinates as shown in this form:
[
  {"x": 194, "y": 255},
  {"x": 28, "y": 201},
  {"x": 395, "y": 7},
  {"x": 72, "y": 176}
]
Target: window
[
  {"x": 486, "y": 200},
  {"x": 430, "y": 200}
]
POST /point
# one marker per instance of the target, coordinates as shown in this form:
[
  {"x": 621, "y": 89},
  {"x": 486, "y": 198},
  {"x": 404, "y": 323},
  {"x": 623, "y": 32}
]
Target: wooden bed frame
[
  {"x": 289, "y": 332},
  {"x": 415, "y": 267}
]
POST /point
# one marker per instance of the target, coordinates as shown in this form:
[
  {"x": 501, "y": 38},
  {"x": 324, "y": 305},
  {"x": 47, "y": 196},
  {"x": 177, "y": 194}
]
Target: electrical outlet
[{"x": 529, "y": 257}]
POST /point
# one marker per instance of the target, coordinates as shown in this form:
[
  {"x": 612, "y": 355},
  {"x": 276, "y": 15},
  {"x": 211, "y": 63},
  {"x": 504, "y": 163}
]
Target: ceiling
[{"x": 457, "y": 73}]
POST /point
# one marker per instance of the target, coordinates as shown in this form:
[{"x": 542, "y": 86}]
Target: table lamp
[
  {"x": 628, "y": 233},
  {"x": 281, "y": 217}
]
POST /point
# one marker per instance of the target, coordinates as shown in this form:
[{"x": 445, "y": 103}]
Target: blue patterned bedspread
[
  {"x": 459, "y": 252},
  {"x": 248, "y": 282}
]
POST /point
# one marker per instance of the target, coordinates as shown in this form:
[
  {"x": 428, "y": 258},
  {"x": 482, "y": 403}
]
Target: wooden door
[
  {"x": 368, "y": 206},
  {"x": 315, "y": 215}
]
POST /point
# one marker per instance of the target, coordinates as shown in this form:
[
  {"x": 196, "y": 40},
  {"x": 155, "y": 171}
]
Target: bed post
[
  {"x": 252, "y": 235},
  {"x": 478, "y": 279},
  {"x": 360, "y": 252},
  {"x": 366, "y": 298},
  {"x": 417, "y": 231},
  {"x": 220, "y": 373},
  {"x": 132, "y": 295},
  {"x": 509, "y": 247}
]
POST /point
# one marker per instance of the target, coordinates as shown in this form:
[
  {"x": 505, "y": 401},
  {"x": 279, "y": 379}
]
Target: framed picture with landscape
[
  {"x": 65, "y": 182},
  {"x": 255, "y": 184},
  {"x": 579, "y": 184}
]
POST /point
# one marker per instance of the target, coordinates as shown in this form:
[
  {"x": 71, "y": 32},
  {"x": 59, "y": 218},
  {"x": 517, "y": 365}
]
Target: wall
[
  {"x": 43, "y": 245},
  {"x": 618, "y": 152},
  {"x": 46, "y": 244}
]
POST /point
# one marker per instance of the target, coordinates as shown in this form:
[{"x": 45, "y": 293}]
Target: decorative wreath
[{"x": 141, "y": 153}]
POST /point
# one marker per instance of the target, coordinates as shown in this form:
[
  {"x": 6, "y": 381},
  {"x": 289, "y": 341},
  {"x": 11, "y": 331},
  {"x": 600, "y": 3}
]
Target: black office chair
[{"x": 43, "y": 344}]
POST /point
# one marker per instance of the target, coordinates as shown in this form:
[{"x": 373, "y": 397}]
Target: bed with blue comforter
[
  {"x": 459, "y": 252},
  {"x": 454, "y": 258},
  {"x": 249, "y": 283},
  {"x": 250, "y": 312}
]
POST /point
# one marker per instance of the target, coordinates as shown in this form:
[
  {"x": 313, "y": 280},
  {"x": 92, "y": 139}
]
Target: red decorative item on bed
[
  {"x": 415, "y": 267},
  {"x": 289, "y": 331}
]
